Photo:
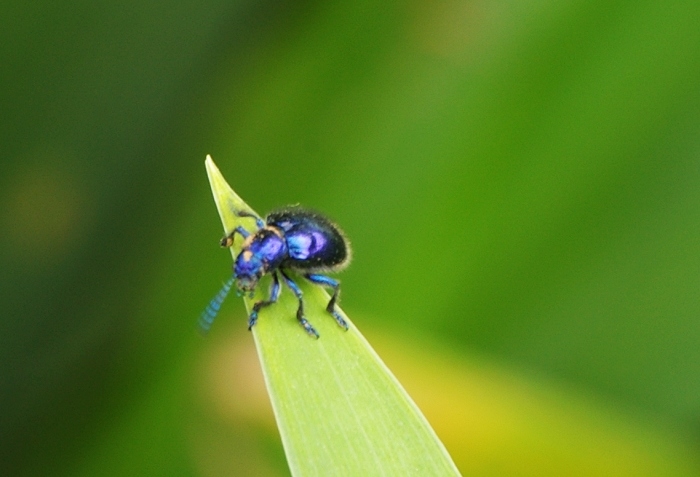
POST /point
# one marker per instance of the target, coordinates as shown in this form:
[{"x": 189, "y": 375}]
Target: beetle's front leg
[
  {"x": 274, "y": 295},
  {"x": 227, "y": 240},
  {"x": 258, "y": 221}
]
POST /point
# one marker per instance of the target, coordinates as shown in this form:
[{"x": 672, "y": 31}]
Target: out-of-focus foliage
[{"x": 520, "y": 182}]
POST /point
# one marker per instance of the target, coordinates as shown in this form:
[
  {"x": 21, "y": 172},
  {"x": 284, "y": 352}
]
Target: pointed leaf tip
[{"x": 309, "y": 379}]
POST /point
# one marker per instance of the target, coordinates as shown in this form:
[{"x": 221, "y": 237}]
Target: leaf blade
[{"x": 338, "y": 407}]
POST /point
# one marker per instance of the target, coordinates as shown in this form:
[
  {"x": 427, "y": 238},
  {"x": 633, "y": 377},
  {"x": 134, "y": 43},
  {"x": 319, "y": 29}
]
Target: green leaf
[{"x": 339, "y": 409}]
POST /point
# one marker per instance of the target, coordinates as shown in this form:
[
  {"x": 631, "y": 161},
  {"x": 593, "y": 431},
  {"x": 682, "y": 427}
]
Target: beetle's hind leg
[
  {"x": 274, "y": 295},
  {"x": 300, "y": 311},
  {"x": 335, "y": 284}
]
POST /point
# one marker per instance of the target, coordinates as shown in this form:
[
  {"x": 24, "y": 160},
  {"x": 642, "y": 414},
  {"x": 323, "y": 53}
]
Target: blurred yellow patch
[{"x": 498, "y": 422}]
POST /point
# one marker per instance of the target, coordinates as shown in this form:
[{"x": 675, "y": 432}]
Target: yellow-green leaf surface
[{"x": 339, "y": 409}]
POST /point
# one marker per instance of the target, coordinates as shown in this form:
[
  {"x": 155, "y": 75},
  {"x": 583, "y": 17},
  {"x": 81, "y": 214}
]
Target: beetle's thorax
[{"x": 261, "y": 253}]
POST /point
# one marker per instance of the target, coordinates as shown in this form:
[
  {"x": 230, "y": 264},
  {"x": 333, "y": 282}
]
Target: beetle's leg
[
  {"x": 227, "y": 241},
  {"x": 258, "y": 221},
  {"x": 335, "y": 284},
  {"x": 300, "y": 311},
  {"x": 274, "y": 295}
]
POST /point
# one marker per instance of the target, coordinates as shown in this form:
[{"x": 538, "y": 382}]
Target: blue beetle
[{"x": 291, "y": 238}]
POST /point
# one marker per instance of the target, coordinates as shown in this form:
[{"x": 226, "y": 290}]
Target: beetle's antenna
[{"x": 207, "y": 317}]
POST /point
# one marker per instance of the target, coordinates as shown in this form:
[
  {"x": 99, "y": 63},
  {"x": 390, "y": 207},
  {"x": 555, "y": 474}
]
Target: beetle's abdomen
[
  {"x": 313, "y": 242},
  {"x": 314, "y": 248}
]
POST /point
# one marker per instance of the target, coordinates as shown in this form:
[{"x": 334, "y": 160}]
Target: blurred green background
[{"x": 520, "y": 181}]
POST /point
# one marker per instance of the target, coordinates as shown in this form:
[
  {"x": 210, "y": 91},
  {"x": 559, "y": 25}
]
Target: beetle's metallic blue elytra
[{"x": 289, "y": 239}]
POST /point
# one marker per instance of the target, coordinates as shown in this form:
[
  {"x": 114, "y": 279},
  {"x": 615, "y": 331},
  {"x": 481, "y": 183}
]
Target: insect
[{"x": 293, "y": 239}]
